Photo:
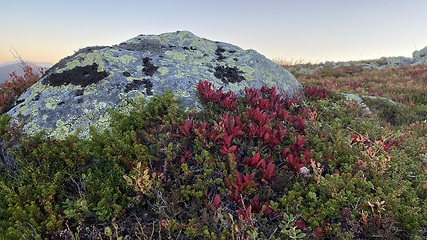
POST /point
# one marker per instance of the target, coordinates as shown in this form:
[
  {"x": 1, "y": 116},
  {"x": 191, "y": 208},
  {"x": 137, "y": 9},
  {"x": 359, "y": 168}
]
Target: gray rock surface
[
  {"x": 76, "y": 92},
  {"x": 356, "y": 98}
]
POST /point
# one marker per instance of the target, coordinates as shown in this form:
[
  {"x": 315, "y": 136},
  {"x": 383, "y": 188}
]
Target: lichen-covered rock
[
  {"x": 78, "y": 90},
  {"x": 419, "y": 57}
]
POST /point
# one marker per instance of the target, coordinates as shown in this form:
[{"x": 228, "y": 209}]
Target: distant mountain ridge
[{"x": 7, "y": 68}]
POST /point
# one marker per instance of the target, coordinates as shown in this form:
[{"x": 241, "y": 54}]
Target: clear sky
[{"x": 310, "y": 30}]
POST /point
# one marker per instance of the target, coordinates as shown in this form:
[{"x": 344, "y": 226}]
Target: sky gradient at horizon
[{"x": 309, "y": 30}]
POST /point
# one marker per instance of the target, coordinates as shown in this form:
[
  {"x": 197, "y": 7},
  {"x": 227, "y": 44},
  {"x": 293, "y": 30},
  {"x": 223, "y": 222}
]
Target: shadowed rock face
[{"x": 77, "y": 91}]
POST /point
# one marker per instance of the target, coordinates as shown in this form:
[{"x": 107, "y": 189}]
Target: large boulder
[{"x": 78, "y": 90}]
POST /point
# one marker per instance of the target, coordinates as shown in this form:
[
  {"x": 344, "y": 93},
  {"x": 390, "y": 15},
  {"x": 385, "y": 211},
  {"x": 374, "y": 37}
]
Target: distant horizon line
[
  {"x": 17, "y": 61},
  {"x": 274, "y": 59}
]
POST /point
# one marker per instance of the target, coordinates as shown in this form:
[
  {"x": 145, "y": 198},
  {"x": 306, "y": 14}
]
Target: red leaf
[
  {"x": 252, "y": 162},
  {"x": 232, "y": 148},
  {"x": 268, "y": 173},
  {"x": 252, "y": 95},
  {"x": 216, "y": 201},
  {"x": 283, "y": 155},
  {"x": 267, "y": 208},
  {"x": 254, "y": 202},
  {"x": 319, "y": 233},
  {"x": 300, "y": 224}
]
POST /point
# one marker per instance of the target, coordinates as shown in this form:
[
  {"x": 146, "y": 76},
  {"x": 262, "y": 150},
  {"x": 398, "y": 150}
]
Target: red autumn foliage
[
  {"x": 186, "y": 129},
  {"x": 216, "y": 202},
  {"x": 268, "y": 173},
  {"x": 244, "y": 183},
  {"x": 315, "y": 93},
  {"x": 256, "y": 207},
  {"x": 233, "y": 125},
  {"x": 11, "y": 90},
  {"x": 253, "y": 162}
]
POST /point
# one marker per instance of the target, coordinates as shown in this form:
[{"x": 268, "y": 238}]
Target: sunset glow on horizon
[{"x": 315, "y": 31}]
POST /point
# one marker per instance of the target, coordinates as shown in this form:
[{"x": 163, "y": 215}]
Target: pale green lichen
[
  {"x": 52, "y": 102},
  {"x": 70, "y": 65},
  {"x": 163, "y": 70},
  {"x": 101, "y": 105},
  {"x": 31, "y": 127},
  {"x": 59, "y": 123},
  {"x": 248, "y": 77},
  {"x": 195, "y": 68},
  {"x": 247, "y": 69},
  {"x": 34, "y": 91},
  {"x": 125, "y": 59},
  {"x": 176, "y": 55},
  {"x": 61, "y": 132},
  {"x": 122, "y": 96},
  {"x": 33, "y": 110},
  {"x": 22, "y": 109},
  {"x": 89, "y": 59},
  {"x": 182, "y": 94}
]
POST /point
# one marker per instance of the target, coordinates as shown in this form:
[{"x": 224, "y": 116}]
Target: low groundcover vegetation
[{"x": 255, "y": 167}]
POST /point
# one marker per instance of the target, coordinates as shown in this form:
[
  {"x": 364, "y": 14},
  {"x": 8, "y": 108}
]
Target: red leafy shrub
[
  {"x": 11, "y": 90},
  {"x": 315, "y": 93},
  {"x": 226, "y": 100},
  {"x": 264, "y": 108}
]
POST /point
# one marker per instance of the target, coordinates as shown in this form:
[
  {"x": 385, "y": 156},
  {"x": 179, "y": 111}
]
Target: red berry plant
[{"x": 257, "y": 140}]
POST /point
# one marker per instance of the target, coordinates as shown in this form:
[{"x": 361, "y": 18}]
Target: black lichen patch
[
  {"x": 126, "y": 74},
  {"x": 189, "y": 48},
  {"x": 79, "y": 100},
  {"x": 149, "y": 45},
  {"x": 135, "y": 84},
  {"x": 228, "y": 74},
  {"x": 80, "y": 92},
  {"x": 36, "y": 98},
  {"x": 219, "y": 52},
  {"x": 60, "y": 103},
  {"x": 149, "y": 68},
  {"x": 82, "y": 76},
  {"x": 63, "y": 62},
  {"x": 148, "y": 87}
]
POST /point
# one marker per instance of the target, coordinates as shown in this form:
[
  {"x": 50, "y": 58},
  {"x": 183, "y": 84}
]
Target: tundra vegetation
[{"x": 317, "y": 166}]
